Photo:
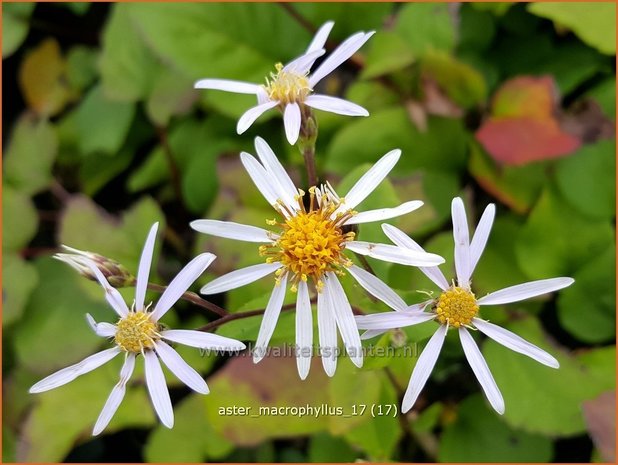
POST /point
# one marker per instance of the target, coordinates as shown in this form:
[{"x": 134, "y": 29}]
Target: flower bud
[{"x": 116, "y": 274}]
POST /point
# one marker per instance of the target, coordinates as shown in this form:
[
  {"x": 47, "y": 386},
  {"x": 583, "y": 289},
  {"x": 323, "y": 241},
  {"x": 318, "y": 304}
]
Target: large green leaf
[
  {"x": 478, "y": 435},
  {"x": 556, "y": 240},
  {"x": 30, "y": 155},
  {"x": 539, "y": 399},
  {"x": 593, "y": 22},
  {"x": 426, "y": 26},
  {"x": 15, "y": 19},
  {"x": 587, "y": 309},
  {"x": 584, "y": 182},
  {"x": 19, "y": 219},
  {"x": 20, "y": 279}
]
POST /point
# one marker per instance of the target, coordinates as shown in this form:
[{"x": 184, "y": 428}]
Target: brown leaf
[{"x": 600, "y": 416}]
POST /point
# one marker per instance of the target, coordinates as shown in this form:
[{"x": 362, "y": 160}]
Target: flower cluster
[{"x": 311, "y": 245}]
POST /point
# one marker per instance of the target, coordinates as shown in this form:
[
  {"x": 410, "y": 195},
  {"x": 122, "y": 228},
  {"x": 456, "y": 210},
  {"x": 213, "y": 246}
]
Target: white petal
[
  {"x": 68, "y": 374},
  {"x": 335, "y": 105},
  {"x": 101, "y": 329},
  {"x": 303, "y": 63},
  {"x": 230, "y": 230},
  {"x": 116, "y": 396},
  {"x": 253, "y": 113},
  {"x": 202, "y": 340},
  {"x": 144, "y": 267},
  {"x": 262, "y": 95},
  {"x": 402, "y": 240},
  {"x": 260, "y": 178},
  {"x": 181, "y": 283},
  {"x": 391, "y": 320},
  {"x": 481, "y": 370},
  {"x": 371, "y": 179},
  {"x": 112, "y": 295},
  {"x": 344, "y": 318},
  {"x": 339, "y": 55},
  {"x": 157, "y": 387},
  {"x": 515, "y": 342},
  {"x": 327, "y": 333},
  {"x": 377, "y": 288},
  {"x": 393, "y": 254},
  {"x": 228, "y": 86},
  {"x": 180, "y": 368},
  {"x": 371, "y": 333},
  {"x": 462, "y": 243},
  {"x": 384, "y": 213},
  {"x": 273, "y": 166},
  {"x": 525, "y": 291},
  {"x": 304, "y": 330},
  {"x": 479, "y": 240},
  {"x": 270, "y": 318},
  {"x": 239, "y": 278},
  {"x": 423, "y": 368},
  {"x": 320, "y": 37},
  {"x": 291, "y": 121}
]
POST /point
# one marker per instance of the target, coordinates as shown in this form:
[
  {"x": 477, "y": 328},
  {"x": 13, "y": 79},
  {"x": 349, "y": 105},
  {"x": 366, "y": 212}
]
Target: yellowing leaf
[{"x": 42, "y": 78}]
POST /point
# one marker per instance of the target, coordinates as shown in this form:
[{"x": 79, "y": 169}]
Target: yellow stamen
[
  {"x": 136, "y": 332},
  {"x": 287, "y": 86},
  {"x": 456, "y": 306}
]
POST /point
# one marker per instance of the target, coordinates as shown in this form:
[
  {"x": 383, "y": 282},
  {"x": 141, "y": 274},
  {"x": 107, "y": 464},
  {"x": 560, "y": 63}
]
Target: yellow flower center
[
  {"x": 456, "y": 306},
  {"x": 287, "y": 87},
  {"x": 312, "y": 241},
  {"x": 136, "y": 332}
]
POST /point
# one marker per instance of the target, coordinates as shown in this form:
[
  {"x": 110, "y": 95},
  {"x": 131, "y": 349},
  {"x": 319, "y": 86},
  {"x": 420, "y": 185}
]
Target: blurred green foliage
[{"x": 104, "y": 135}]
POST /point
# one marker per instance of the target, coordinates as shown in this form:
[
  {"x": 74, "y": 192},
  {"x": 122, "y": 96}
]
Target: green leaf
[
  {"x": 426, "y": 26},
  {"x": 65, "y": 416},
  {"x": 379, "y": 436},
  {"x": 587, "y": 309},
  {"x": 593, "y": 22},
  {"x": 19, "y": 219},
  {"x": 539, "y": 399},
  {"x": 326, "y": 448},
  {"x": 111, "y": 119},
  {"x": 462, "y": 83},
  {"x": 191, "y": 440},
  {"x": 605, "y": 95},
  {"x": 128, "y": 67},
  {"x": 20, "y": 279},
  {"x": 583, "y": 181},
  {"x": 81, "y": 66},
  {"x": 199, "y": 180},
  {"x": 85, "y": 226},
  {"x": 441, "y": 147},
  {"x": 478, "y": 435},
  {"x": 556, "y": 240},
  {"x": 477, "y": 28},
  {"x": 54, "y": 325},
  {"x": 30, "y": 155},
  {"x": 172, "y": 94},
  {"x": 15, "y": 18},
  {"x": 388, "y": 52}
]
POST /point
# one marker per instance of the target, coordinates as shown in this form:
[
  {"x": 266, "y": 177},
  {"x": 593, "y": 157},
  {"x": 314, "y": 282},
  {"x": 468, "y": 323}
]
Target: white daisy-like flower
[
  {"x": 291, "y": 87},
  {"x": 457, "y": 307},
  {"x": 308, "y": 246},
  {"x": 138, "y": 332}
]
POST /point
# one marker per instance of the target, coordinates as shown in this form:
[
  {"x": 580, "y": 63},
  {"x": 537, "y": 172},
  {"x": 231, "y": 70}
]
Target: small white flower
[
  {"x": 291, "y": 86},
  {"x": 309, "y": 245},
  {"x": 457, "y": 307},
  {"x": 138, "y": 332}
]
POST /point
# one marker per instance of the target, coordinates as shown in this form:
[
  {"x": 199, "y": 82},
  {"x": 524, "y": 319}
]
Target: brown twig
[
  {"x": 195, "y": 299},
  {"x": 169, "y": 155}
]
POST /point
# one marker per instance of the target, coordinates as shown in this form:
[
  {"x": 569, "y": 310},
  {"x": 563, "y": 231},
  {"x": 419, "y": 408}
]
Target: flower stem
[{"x": 306, "y": 143}]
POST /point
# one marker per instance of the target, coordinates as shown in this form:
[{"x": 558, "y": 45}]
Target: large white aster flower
[
  {"x": 457, "y": 307},
  {"x": 291, "y": 86},
  {"x": 138, "y": 332},
  {"x": 309, "y": 245}
]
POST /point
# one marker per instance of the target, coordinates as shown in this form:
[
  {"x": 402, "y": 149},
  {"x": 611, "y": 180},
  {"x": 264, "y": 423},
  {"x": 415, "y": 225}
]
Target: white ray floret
[
  {"x": 311, "y": 245},
  {"x": 138, "y": 332},
  {"x": 292, "y": 87},
  {"x": 457, "y": 307}
]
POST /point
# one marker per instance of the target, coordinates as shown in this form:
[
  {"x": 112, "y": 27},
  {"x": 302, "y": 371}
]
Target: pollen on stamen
[
  {"x": 312, "y": 241},
  {"x": 287, "y": 86},
  {"x": 456, "y": 307},
  {"x": 136, "y": 332}
]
